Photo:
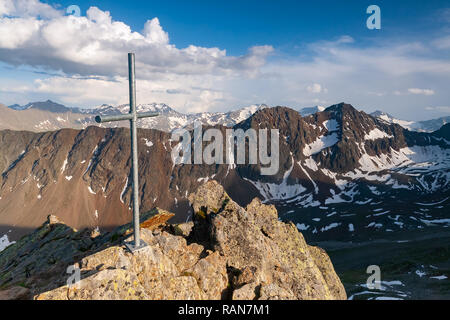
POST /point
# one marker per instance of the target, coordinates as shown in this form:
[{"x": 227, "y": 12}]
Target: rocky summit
[{"x": 226, "y": 252}]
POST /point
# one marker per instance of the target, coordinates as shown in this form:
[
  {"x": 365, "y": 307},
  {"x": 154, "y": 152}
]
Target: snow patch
[
  {"x": 90, "y": 190},
  {"x": 302, "y": 227},
  {"x": 376, "y": 133},
  {"x": 63, "y": 168},
  {"x": 148, "y": 143},
  {"x": 4, "y": 242},
  {"x": 330, "y": 226},
  {"x": 320, "y": 143},
  {"x": 282, "y": 191},
  {"x": 443, "y": 277},
  {"x": 420, "y": 273},
  {"x": 123, "y": 190},
  {"x": 331, "y": 125},
  {"x": 311, "y": 164}
]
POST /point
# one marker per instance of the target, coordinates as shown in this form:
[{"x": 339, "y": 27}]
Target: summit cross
[{"x": 132, "y": 116}]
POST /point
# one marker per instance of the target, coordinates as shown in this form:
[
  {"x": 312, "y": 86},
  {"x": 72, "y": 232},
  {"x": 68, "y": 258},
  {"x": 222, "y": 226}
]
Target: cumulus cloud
[
  {"x": 96, "y": 44},
  {"x": 85, "y": 61},
  {"x": 89, "y": 51},
  {"x": 27, "y": 8},
  {"x": 426, "y": 92}
]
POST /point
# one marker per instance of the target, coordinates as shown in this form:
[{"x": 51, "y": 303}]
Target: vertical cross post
[
  {"x": 132, "y": 116},
  {"x": 134, "y": 149}
]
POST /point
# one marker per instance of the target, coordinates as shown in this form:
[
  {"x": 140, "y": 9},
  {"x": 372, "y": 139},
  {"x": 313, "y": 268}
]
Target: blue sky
[
  {"x": 285, "y": 24},
  {"x": 221, "y": 55}
]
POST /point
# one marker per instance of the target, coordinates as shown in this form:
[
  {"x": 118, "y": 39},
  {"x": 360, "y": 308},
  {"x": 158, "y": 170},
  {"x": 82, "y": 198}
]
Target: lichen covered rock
[{"x": 227, "y": 252}]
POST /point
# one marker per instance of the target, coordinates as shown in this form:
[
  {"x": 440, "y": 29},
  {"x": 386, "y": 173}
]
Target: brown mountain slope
[
  {"x": 83, "y": 175},
  {"x": 39, "y": 120}
]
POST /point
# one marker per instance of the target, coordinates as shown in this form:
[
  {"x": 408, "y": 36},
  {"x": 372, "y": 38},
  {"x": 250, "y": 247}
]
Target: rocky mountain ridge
[
  {"x": 227, "y": 252},
  {"x": 335, "y": 157},
  {"x": 49, "y": 116}
]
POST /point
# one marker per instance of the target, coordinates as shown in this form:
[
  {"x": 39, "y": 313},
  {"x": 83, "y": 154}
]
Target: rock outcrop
[{"x": 227, "y": 252}]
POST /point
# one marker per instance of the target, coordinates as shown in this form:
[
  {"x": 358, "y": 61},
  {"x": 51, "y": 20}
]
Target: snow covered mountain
[
  {"x": 421, "y": 126},
  {"x": 308, "y": 111},
  {"x": 332, "y": 151},
  {"x": 339, "y": 157},
  {"x": 171, "y": 119},
  {"x": 346, "y": 179},
  {"x": 49, "y": 116}
]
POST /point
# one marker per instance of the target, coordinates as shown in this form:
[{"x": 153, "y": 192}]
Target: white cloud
[
  {"x": 445, "y": 109},
  {"x": 27, "y": 8},
  {"x": 88, "y": 54},
  {"x": 96, "y": 44},
  {"x": 154, "y": 32},
  {"x": 442, "y": 43},
  {"x": 90, "y": 51},
  {"x": 345, "y": 39},
  {"x": 426, "y": 92},
  {"x": 316, "y": 88},
  {"x": 17, "y": 32},
  {"x": 87, "y": 92}
]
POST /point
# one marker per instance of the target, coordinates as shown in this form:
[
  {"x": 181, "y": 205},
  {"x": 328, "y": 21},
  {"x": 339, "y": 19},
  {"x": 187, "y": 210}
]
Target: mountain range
[
  {"x": 422, "y": 126},
  {"x": 339, "y": 155},
  {"x": 345, "y": 178},
  {"x": 48, "y": 116}
]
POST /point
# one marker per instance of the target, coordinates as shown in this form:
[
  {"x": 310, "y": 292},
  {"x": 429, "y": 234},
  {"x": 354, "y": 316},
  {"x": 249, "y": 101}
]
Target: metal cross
[{"x": 133, "y": 117}]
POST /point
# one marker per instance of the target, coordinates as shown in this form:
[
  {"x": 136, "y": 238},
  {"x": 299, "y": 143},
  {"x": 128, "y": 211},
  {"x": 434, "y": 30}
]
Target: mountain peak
[
  {"x": 48, "y": 105},
  {"x": 342, "y": 106}
]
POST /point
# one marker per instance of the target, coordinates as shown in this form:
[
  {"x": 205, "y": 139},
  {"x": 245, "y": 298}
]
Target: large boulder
[{"x": 266, "y": 254}]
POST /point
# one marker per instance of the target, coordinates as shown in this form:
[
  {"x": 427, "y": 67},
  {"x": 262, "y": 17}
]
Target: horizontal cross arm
[
  {"x": 146, "y": 115},
  {"x": 121, "y": 117}
]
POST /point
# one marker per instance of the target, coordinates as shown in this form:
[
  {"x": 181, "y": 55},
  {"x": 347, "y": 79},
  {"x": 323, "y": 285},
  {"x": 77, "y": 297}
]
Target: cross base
[{"x": 132, "y": 248}]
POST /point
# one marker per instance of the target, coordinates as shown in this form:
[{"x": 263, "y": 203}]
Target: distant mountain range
[
  {"x": 50, "y": 116},
  {"x": 337, "y": 156},
  {"x": 346, "y": 178},
  {"x": 421, "y": 126}
]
